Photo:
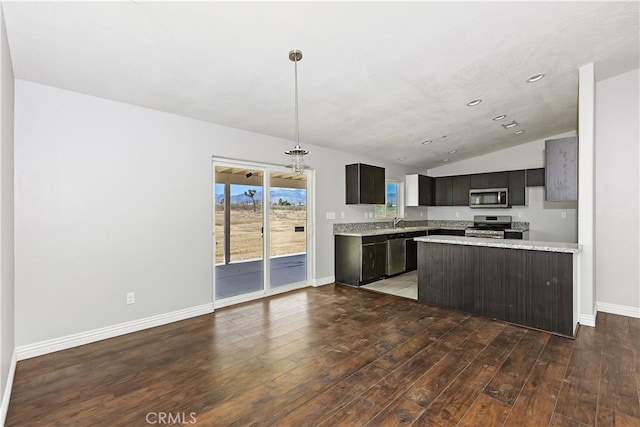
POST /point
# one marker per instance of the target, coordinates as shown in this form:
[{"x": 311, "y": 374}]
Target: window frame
[{"x": 380, "y": 211}]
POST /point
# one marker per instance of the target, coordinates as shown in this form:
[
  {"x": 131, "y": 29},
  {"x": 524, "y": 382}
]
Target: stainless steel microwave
[{"x": 489, "y": 198}]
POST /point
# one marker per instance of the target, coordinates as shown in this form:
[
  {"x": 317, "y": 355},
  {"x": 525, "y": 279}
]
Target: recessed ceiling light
[
  {"x": 428, "y": 141},
  {"x": 535, "y": 78},
  {"x": 402, "y": 158},
  {"x": 452, "y": 151},
  {"x": 509, "y": 125},
  {"x": 474, "y": 102},
  {"x": 445, "y": 160},
  {"x": 518, "y": 132},
  {"x": 500, "y": 117}
]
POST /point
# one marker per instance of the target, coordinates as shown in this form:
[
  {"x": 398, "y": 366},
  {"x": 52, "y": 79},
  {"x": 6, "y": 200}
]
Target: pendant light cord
[{"x": 295, "y": 62}]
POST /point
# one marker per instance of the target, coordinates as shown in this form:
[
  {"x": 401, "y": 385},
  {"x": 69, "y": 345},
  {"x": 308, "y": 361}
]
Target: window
[{"x": 393, "y": 206}]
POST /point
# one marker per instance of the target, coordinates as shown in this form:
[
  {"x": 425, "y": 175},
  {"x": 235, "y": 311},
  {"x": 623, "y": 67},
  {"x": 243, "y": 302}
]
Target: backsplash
[{"x": 359, "y": 226}]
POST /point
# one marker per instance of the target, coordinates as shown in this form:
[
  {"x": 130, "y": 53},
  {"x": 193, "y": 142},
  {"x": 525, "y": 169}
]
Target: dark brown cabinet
[
  {"x": 419, "y": 190},
  {"x": 516, "y": 235},
  {"x": 531, "y": 288},
  {"x": 535, "y": 177},
  {"x": 460, "y": 190},
  {"x": 517, "y": 188},
  {"x": 365, "y": 184},
  {"x": 444, "y": 190},
  {"x": 561, "y": 180},
  {"x": 426, "y": 191},
  {"x": 360, "y": 260},
  {"x": 374, "y": 261},
  {"x": 490, "y": 180}
]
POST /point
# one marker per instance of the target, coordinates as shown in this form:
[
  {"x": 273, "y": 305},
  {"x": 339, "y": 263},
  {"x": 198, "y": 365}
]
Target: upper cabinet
[
  {"x": 517, "y": 191},
  {"x": 453, "y": 190},
  {"x": 444, "y": 190},
  {"x": 460, "y": 185},
  {"x": 490, "y": 180},
  {"x": 365, "y": 184},
  {"x": 419, "y": 190},
  {"x": 535, "y": 177},
  {"x": 561, "y": 181}
]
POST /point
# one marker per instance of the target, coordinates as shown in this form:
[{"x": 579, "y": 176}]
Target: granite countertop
[
  {"x": 380, "y": 231},
  {"x": 504, "y": 243}
]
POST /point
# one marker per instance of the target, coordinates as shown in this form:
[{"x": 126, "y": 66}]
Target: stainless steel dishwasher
[{"x": 396, "y": 254}]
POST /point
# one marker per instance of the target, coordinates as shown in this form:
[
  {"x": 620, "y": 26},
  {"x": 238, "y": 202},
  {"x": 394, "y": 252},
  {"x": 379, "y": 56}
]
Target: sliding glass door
[
  {"x": 287, "y": 228},
  {"x": 260, "y": 229},
  {"x": 239, "y": 233}
]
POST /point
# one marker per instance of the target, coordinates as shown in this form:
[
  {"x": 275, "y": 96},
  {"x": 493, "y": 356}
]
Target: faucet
[{"x": 396, "y": 221}]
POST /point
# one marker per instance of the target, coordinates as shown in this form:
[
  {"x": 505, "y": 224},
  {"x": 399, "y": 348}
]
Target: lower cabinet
[
  {"x": 530, "y": 288},
  {"x": 363, "y": 259},
  {"x": 374, "y": 261},
  {"x": 360, "y": 260}
]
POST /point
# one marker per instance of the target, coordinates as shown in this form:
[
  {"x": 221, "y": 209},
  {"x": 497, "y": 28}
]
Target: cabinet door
[
  {"x": 490, "y": 180},
  {"x": 365, "y": 184},
  {"x": 535, "y": 177},
  {"x": 380, "y": 269},
  {"x": 369, "y": 263},
  {"x": 460, "y": 185},
  {"x": 411, "y": 255},
  {"x": 444, "y": 191},
  {"x": 517, "y": 191},
  {"x": 551, "y": 293},
  {"x": 479, "y": 181},
  {"x": 498, "y": 179},
  {"x": 372, "y": 185},
  {"x": 425, "y": 190},
  {"x": 378, "y": 195},
  {"x": 561, "y": 181}
]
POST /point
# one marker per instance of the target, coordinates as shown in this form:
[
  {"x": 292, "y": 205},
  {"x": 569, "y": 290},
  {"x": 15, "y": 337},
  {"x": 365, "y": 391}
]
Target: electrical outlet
[
  {"x": 519, "y": 214},
  {"x": 131, "y": 298},
  {"x": 342, "y": 215},
  {"x": 421, "y": 213},
  {"x": 457, "y": 214},
  {"x": 563, "y": 215}
]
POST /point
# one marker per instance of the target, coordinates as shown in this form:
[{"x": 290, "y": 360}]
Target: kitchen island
[{"x": 528, "y": 283}]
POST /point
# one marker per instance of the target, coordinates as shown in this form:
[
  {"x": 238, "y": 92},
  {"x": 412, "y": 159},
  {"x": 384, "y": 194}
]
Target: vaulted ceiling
[{"x": 377, "y": 78}]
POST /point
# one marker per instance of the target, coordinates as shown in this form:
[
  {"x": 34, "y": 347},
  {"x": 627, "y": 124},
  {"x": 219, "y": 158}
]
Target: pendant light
[{"x": 297, "y": 154}]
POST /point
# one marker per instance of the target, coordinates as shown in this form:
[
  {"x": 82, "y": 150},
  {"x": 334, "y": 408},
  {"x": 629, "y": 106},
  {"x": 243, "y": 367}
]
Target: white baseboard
[
  {"x": 622, "y": 310},
  {"x": 323, "y": 281},
  {"x": 587, "y": 320},
  {"x": 8, "y": 387},
  {"x": 49, "y": 346}
]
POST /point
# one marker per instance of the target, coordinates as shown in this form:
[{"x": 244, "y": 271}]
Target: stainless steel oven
[
  {"x": 489, "y": 198},
  {"x": 489, "y": 227}
]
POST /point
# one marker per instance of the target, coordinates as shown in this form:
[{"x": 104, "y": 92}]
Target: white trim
[
  {"x": 7, "y": 389},
  {"x": 323, "y": 281},
  {"x": 622, "y": 310},
  {"x": 74, "y": 340},
  {"x": 588, "y": 320}
]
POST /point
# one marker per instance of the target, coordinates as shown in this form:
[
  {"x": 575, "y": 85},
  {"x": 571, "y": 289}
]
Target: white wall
[
  {"x": 617, "y": 213},
  {"x": 545, "y": 218},
  {"x": 7, "y": 282},
  {"x": 113, "y": 198}
]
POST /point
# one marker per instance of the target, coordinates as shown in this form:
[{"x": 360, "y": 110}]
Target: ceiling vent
[{"x": 509, "y": 125}]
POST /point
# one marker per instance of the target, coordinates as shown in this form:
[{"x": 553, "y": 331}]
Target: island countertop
[{"x": 530, "y": 245}]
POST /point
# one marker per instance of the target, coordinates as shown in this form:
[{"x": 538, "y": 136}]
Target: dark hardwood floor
[{"x": 337, "y": 355}]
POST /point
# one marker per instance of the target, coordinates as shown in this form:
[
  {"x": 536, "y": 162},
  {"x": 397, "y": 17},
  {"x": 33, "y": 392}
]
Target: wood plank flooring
[{"x": 338, "y": 355}]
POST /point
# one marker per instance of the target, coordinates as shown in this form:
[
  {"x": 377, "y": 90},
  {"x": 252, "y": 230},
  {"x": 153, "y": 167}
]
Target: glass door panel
[
  {"x": 287, "y": 228},
  {"x": 239, "y": 219}
]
